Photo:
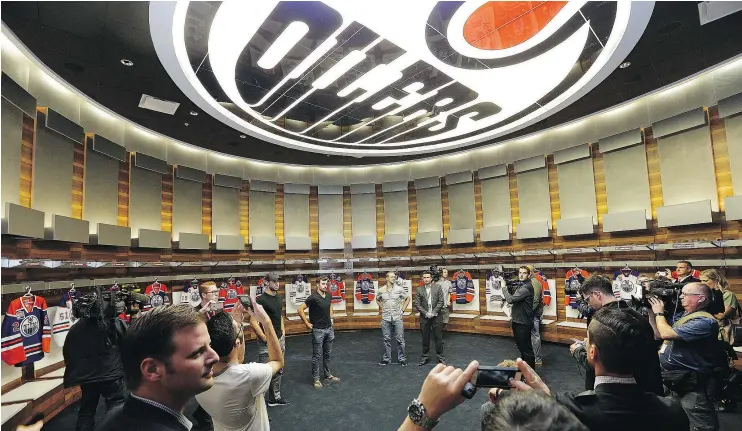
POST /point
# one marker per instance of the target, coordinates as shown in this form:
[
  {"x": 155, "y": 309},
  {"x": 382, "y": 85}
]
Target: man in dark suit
[
  {"x": 598, "y": 293},
  {"x": 617, "y": 402},
  {"x": 167, "y": 360},
  {"x": 429, "y": 302}
]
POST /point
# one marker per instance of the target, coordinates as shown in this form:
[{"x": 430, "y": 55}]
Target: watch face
[{"x": 415, "y": 410}]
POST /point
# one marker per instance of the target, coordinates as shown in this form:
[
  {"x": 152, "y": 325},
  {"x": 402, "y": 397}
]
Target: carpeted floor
[{"x": 371, "y": 397}]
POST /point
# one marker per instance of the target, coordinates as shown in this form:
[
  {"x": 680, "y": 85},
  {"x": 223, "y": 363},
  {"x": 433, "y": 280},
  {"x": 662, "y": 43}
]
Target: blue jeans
[
  {"x": 321, "y": 349},
  {"x": 387, "y": 327},
  {"x": 274, "y": 392},
  {"x": 536, "y": 338}
]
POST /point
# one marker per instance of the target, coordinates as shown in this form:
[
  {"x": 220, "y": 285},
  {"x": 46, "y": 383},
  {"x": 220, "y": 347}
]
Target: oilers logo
[
  {"x": 575, "y": 284},
  {"x": 627, "y": 286},
  {"x": 29, "y": 326},
  {"x": 390, "y": 77},
  {"x": 194, "y": 296},
  {"x": 156, "y": 300}
]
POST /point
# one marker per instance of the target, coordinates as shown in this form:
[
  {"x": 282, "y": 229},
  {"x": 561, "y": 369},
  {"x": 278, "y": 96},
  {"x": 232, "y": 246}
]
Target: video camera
[{"x": 106, "y": 304}]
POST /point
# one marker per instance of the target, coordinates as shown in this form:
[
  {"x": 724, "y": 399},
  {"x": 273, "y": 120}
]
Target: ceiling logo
[{"x": 389, "y": 77}]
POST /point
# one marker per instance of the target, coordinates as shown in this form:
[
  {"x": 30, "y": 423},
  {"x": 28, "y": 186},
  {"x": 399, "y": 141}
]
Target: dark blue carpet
[{"x": 372, "y": 398}]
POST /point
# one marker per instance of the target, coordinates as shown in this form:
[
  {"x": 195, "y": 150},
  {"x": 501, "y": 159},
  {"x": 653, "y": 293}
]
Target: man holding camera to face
[
  {"x": 236, "y": 401},
  {"x": 691, "y": 351}
]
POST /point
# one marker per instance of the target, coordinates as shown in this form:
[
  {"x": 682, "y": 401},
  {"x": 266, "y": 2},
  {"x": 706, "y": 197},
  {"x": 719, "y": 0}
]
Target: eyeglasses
[
  {"x": 690, "y": 294},
  {"x": 212, "y": 291}
]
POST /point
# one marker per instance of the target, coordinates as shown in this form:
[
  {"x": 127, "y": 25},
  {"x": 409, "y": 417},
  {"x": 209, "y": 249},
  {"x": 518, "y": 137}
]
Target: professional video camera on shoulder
[{"x": 106, "y": 303}]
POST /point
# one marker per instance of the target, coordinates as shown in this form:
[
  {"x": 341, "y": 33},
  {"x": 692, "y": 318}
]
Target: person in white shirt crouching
[{"x": 236, "y": 401}]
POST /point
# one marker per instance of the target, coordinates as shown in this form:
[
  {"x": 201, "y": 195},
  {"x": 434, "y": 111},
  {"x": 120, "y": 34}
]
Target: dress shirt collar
[{"x": 611, "y": 379}]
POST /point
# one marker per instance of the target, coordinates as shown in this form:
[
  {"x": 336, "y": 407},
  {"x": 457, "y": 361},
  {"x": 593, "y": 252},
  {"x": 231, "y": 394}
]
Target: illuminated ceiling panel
[{"x": 390, "y": 78}]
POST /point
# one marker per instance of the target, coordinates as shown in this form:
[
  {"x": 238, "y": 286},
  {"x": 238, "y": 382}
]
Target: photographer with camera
[
  {"x": 617, "y": 401},
  {"x": 236, "y": 402},
  {"x": 598, "y": 293},
  {"x": 683, "y": 272},
  {"x": 91, "y": 353},
  {"x": 520, "y": 296},
  {"x": 691, "y": 352}
]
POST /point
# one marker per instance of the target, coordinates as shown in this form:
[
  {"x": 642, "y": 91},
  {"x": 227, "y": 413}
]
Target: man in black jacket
[
  {"x": 522, "y": 314},
  {"x": 597, "y": 291},
  {"x": 167, "y": 360},
  {"x": 617, "y": 402},
  {"x": 92, "y": 360}
]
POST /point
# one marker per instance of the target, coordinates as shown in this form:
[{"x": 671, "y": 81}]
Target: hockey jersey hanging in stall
[
  {"x": 63, "y": 318},
  {"x": 493, "y": 291},
  {"x": 26, "y": 332},
  {"x": 626, "y": 284},
  {"x": 365, "y": 292},
  {"x": 191, "y": 294},
  {"x": 545, "y": 291},
  {"x": 336, "y": 286},
  {"x": 229, "y": 290},
  {"x": 299, "y": 289},
  {"x": 573, "y": 281},
  {"x": 463, "y": 287},
  {"x": 157, "y": 293}
]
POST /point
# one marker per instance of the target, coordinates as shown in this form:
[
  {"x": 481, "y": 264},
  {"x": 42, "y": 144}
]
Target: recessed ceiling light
[
  {"x": 126, "y": 62},
  {"x": 194, "y": 113},
  {"x": 625, "y": 64},
  {"x": 186, "y": 124},
  {"x": 243, "y": 136}
]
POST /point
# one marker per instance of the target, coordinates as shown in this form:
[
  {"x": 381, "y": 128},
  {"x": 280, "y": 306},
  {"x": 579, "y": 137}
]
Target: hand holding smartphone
[{"x": 491, "y": 377}]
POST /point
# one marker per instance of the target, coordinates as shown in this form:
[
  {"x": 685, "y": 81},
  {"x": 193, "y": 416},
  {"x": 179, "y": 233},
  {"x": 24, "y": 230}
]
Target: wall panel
[
  {"x": 52, "y": 174},
  {"x": 363, "y": 214},
  {"x": 577, "y": 189},
  {"x": 627, "y": 180},
  {"x": 11, "y": 128},
  {"x": 396, "y": 213},
  {"x": 296, "y": 215},
  {"x": 101, "y": 189},
  {"x": 461, "y": 206},
  {"x": 187, "y": 212},
  {"x": 145, "y": 200},
  {"x": 496, "y": 202},
  {"x": 262, "y": 213},
  {"x": 429, "y": 210},
  {"x": 533, "y": 196},
  {"x": 330, "y": 215},
  {"x": 734, "y": 144},
  {"x": 681, "y": 153},
  {"x": 225, "y": 211}
]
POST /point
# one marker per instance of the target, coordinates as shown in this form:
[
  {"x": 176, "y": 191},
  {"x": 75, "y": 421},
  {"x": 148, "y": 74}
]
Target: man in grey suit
[{"x": 429, "y": 302}]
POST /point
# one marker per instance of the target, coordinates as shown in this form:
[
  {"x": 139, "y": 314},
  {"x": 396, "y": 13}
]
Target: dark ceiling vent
[{"x": 670, "y": 27}]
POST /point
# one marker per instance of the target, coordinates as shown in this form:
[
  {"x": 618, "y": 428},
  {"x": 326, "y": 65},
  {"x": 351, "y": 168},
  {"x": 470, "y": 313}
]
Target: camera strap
[{"x": 691, "y": 316}]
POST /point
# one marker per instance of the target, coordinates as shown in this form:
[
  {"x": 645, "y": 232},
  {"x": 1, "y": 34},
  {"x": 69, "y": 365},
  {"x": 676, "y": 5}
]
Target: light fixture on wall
[
  {"x": 625, "y": 64},
  {"x": 126, "y": 62}
]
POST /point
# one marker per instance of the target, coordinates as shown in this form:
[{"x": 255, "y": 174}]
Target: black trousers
[
  {"x": 433, "y": 326},
  {"x": 522, "y": 333},
  {"x": 111, "y": 390}
]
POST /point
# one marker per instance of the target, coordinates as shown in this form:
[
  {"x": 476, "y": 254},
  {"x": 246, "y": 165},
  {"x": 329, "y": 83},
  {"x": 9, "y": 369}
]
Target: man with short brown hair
[
  {"x": 167, "y": 359},
  {"x": 320, "y": 323}
]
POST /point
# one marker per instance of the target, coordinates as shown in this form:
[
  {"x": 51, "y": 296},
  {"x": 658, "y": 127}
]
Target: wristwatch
[{"x": 416, "y": 412}]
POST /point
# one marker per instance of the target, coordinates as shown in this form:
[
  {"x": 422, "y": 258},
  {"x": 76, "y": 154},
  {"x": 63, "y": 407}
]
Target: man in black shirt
[
  {"x": 598, "y": 292},
  {"x": 522, "y": 314},
  {"x": 319, "y": 323},
  {"x": 272, "y": 304}
]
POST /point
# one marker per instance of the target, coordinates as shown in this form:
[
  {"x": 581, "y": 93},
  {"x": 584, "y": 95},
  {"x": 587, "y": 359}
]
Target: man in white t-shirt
[{"x": 236, "y": 401}]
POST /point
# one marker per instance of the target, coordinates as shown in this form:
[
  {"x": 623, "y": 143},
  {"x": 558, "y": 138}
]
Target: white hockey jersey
[
  {"x": 493, "y": 292},
  {"x": 626, "y": 284},
  {"x": 299, "y": 290}
]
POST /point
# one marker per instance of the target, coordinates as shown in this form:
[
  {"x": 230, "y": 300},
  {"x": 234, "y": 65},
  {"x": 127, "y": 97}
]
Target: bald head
[{"x": 696, "y": 296}]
